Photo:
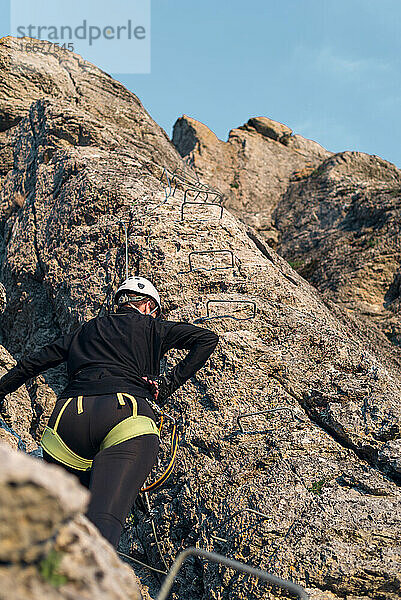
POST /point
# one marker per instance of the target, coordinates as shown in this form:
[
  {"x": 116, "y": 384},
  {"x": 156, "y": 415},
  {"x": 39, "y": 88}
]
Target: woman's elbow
[{"x": 214, "y": 339}]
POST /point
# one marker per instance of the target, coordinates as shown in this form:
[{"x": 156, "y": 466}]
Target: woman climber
[{"x": 103, "y": 428}]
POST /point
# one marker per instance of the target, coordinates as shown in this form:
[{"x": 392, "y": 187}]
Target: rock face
[
  {"x": 322, "y": 468},
  {"x": 117, "y": 116},
  {"x": 91, "y": 115},
  {"x": 26, "y": 411},
  {"x": 341, "y": 228},
  {"x": 18, "y": 414},
  {"x": 47, "y": 550},
  {"x": 270, "y": 129},
  {"x": 252, "y": 169},
  {"x": 335, "y": 218}
]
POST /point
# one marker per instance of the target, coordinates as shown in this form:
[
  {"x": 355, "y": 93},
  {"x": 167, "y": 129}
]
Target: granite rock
[{"x": 323, "y": 467}]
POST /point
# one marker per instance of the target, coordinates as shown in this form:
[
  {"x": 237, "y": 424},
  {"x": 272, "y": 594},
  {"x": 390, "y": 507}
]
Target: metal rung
[
  {"x": 261, "y": 412},
  {"x": 233, "y": 564},
  {"x": 209, "y": 318},
  {"x": 185, "y": 176},
  {"x": 199, "y": 252},
  {"x": 177, "y": 179},
  {"x": 198, "y": 192},
  {"x": 215, "y": 195},
  {"x": 201, "y": 204},
  {"x": 190, "y": 185}
]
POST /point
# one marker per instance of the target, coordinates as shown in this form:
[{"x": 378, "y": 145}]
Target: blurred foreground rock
[{"x": 46, "y": 549}]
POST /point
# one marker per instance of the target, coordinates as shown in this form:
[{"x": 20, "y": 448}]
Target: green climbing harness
[{"x": 127, "y": 429}]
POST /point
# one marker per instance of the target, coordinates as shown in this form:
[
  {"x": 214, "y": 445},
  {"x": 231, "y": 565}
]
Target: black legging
[{"x": 118, "y": 472}]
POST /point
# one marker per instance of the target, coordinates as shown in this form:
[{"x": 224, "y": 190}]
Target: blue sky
[{"x": 329, "y": 69}]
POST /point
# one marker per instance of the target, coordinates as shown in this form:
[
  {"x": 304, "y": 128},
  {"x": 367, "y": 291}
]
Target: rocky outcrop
[
  {"x": 18, "y": 413},
  {"x": 269, "y": 129},
  {"x": 323, "y": 466},
  {"x": 26, "y": 411},
  {"x": 252, "y": 169},
  {"x": 341, "y": 227},
  {"x": 335, "y": 218},
  {"x": 113, "y": 113},
  {"x": 48, "y": 550}
]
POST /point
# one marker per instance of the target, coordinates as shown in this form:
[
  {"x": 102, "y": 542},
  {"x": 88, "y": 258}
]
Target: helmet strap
[{"x": 133, "y": 306}]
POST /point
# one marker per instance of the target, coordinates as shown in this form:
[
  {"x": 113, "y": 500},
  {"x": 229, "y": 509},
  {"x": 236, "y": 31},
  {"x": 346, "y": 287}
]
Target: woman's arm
[
  {"x": 199, "y": 341},
  {"x": 45, "y": 358}
]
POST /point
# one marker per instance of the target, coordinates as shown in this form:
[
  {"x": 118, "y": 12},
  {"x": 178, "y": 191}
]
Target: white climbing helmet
[{"x": 141, "y": 286}]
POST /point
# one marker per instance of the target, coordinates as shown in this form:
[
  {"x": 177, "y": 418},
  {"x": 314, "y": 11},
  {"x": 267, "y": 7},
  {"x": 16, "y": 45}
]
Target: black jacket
[{"x": 112, "y": 353}]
